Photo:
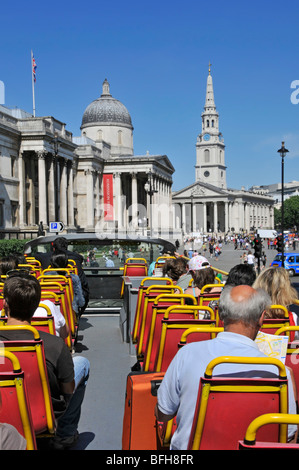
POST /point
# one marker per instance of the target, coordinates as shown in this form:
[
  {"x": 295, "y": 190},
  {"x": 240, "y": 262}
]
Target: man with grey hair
[{"x": 242, "y": 310}]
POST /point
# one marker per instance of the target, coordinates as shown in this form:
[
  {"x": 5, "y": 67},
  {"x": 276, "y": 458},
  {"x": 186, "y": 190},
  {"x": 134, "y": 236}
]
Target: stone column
[
  {"x": 51, "y": 190},
  {"x": 215, "y": 217},
  {"x": 134, "y": 208},
  {"x": 42, "y": 188},
  {"x": 63, "y": 193},
  {"x": 22, "y": 191},
  {"x": 226, "y": 225},
  {"x": 70, "y": 196},
  {"x": 205, "y": 217},
  {"x": 89, "y": 199}
]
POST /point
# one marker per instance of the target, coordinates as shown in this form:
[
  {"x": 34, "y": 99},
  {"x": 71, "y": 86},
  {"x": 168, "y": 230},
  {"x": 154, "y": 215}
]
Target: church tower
[{"x": 210, "y": 163}]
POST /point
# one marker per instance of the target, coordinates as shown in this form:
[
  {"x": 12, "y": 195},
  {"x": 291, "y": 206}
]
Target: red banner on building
[{"x": 108, "y": 196}]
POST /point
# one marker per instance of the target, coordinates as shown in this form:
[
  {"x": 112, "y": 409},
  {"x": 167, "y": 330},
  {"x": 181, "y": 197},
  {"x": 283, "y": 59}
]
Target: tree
[{"x": 291, "y": 214}]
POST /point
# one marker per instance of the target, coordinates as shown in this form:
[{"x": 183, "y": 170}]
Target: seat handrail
[
  {"x": 190, "y": 307},
  {"x": 30, "y": 328},
  {"x": 279, "y": 307},
  {"x": 200, "y": 329},
  {"x": 173, "y": 297},
  {"x": 150, "y": 278},
  {"x": 268, "y": 418},
  {"x": 12, "y": 357},
  {"x": 245, "y": 360},
  {"x": 162, "y": 286}
]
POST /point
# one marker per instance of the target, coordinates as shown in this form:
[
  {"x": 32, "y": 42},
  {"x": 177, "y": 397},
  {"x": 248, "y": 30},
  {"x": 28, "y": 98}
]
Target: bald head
[
  {"x": 242, "y": 293},
  {"x": 242, "y": 304}
]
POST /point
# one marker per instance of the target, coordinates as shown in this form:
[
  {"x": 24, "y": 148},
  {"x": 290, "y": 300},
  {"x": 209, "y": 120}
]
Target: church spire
[{"x": 210, "y": 102}]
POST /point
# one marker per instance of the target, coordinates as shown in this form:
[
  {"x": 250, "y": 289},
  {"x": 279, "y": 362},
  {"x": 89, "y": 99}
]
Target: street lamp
[
  {"x": 149, "y": 189},
  {"x": 283, "y": 151}
]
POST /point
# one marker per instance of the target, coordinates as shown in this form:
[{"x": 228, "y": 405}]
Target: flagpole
[{"x": 33, "y": 96}]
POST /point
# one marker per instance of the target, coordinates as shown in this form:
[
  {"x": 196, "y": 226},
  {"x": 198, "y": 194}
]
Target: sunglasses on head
[{"x": 18, "y": 273}]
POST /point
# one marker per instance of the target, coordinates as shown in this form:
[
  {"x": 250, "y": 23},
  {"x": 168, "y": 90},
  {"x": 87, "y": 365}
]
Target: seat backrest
[
  {"x": 140, "y": 301},
  {"x": 271, "y": 325},
  {"x": 292, "y": 355},
  {"x": 250, "y": 442},
  {"x": 172, "y": 331},
  {"x": 172, "y": 311},
  {"x": 198, "y": 333},
  {"x": 227, "y": 405},
  {"x": 15, "y": 408},
  {"x": 146, "y": 314},
  {"x": 60, "y": 286},
  {"x": 134, "y": 268},
  {"x": 58, "y": 299},
  {"x": 30, "y": 353},
  {"x": 46, "y": 323}
]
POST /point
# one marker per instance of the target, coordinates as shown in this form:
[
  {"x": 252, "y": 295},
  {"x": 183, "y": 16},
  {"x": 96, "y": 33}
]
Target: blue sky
[{"x": 155, "y": 56}]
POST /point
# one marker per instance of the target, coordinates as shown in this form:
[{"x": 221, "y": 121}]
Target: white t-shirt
[
  {"x": 250, "y": 259},
  {"x": 59, "y": 319}
]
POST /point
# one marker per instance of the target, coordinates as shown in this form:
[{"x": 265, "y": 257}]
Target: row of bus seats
[
  {"x": 56, "y": 286},
  {"x": 24, "y": 386},
  {"x": 165, "y": 321}
]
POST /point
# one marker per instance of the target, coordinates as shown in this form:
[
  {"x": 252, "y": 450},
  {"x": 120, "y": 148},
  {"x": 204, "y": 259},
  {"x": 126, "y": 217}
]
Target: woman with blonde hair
[{"x": 276, "y": 282}]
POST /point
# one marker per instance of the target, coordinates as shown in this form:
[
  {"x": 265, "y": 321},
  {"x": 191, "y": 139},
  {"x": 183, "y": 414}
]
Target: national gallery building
[{"x": 95, "y": 181}]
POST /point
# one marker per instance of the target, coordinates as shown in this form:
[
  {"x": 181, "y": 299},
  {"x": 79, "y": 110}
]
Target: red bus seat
[
  {"x": 227, "y": 405},
  {"x": 30, "y": 354},
  {"x": 160, "y": 321},
  {"x": 146, "y": 314},
  {"x": 140, "y": 302},
  {"x": 271, "y": 325},
  {"x": 134, "y": 267},
  {"x": 292, "y": 356},
  {"x": 250, "y": 442},
  {"x": 15, "y": 408}
]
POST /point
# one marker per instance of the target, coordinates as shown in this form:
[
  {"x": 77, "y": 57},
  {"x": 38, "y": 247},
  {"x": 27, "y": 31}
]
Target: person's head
[
  {"x": 201, "y": 271},
  {"x": 60, "y": 244},
  {"x": 243, "y": 305},
  {"x": 175, "y": 268},
  {"x": 276, "y": 282},
  {"x": 59, "y": 259},
  {"x": 241, "y": 274},
  {"x": 7, "y": 263},
  {"x": 22, "y": 293}
]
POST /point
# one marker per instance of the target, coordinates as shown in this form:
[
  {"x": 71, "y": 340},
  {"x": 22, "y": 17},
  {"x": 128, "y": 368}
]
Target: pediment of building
[{"x": 199, "y": 190}]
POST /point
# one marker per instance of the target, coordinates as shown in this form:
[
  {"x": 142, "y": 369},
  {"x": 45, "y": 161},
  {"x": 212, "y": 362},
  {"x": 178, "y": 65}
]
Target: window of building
[{"x": 207, "y": 155}]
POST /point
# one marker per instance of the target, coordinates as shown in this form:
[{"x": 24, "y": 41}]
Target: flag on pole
[{"x": 34, "y": 67}]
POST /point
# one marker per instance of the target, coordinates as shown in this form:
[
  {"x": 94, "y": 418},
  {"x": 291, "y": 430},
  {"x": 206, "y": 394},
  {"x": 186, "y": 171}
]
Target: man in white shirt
[
  {"x": 242, "y": 310},
  {"x": 61, "y": 327}
]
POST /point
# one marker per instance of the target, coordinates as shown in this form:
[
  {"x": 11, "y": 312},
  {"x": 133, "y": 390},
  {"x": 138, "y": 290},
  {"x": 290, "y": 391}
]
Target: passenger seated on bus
[
  {"x": 241, "y": 274},
  {"x": 8, "y": 263},
  {"x": 241, "y": 308},
  {"x": 67, "y": 374},
  {"x": 276, "y": 282},
  {"x": 177, "y": 270},
  {"x": 202, "y": 274},
  {"x": 59, "y": 259},
  {"x": 61, "y": 327},
  {"x": 61, "y": 244},
  {"x": 10, "y": 438}
]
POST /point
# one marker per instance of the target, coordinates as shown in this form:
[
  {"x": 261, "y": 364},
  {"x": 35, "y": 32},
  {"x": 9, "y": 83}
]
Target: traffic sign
[{"x": 56, "y": 227}]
